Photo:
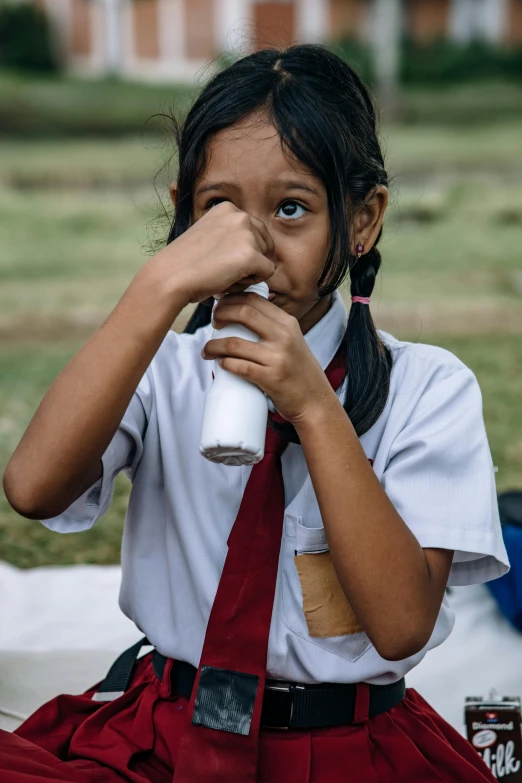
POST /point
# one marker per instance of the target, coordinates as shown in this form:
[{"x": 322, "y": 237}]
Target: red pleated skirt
[{"x": 136, "y": 738}]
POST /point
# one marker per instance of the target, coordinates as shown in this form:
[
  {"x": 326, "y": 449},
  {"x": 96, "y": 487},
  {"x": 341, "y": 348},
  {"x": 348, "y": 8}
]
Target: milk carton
[{"x": 494, "y": 729}]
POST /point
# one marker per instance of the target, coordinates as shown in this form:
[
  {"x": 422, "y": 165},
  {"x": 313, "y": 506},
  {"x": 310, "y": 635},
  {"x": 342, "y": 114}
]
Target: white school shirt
[{"x": 429, "y": 450}]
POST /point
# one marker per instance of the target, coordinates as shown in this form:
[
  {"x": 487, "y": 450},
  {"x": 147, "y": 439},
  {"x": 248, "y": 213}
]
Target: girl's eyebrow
[
  {"x": 216, "y": 186},
  {"x": 289, "y": 184},
  {"x": 292, "y": 184}
]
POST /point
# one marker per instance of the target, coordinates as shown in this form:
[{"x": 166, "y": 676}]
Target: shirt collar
[{"x": 325, "y": 337}]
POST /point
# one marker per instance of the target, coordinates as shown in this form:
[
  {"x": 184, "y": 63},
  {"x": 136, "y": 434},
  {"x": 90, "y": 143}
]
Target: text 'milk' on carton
[{"x": 494, "y": 729}]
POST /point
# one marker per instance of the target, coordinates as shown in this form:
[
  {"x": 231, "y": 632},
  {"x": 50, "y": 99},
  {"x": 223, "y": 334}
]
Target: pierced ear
[
  {"x": 368, "y": 219},
  {"x": 173, "y": 190}
]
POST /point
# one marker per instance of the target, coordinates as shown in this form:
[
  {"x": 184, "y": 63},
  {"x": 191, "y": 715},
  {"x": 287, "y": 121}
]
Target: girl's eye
[
  {"x": 214, "y": 201},
  {"x": 291, "y": 210}
]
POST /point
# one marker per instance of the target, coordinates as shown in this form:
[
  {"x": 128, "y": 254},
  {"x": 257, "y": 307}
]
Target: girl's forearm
[
  {"x": 59, "y": 455},
  {"x": 379, "y": 563}
]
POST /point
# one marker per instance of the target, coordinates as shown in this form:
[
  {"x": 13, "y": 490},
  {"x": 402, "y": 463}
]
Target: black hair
[{"x": 325, "y": 118}]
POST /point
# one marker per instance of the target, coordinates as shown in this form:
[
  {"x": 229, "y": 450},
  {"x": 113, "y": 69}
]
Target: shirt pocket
[{"x": 315, "y": 606}]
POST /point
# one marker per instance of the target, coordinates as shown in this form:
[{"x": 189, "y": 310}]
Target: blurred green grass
[
  {"x": 26, "y": 372},
  {"x": 50, "y": 106},
  {"x": 482, "y": 103},
  {"x": 133, "y": 160},
  {"x": 78, "y": 219}
]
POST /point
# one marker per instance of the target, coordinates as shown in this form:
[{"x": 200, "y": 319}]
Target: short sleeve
[
  {"x": 440, "y": 478},
  {"x": 122, "y": 454}
]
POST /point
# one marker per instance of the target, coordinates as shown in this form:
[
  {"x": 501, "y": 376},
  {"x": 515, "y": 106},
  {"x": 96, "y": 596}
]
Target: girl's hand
[
  {"x": 226, "y": 249},
  {"x": 281, "y": 364}
]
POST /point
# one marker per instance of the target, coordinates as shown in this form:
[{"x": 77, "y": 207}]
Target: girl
[{"x": 285, "y": 602}]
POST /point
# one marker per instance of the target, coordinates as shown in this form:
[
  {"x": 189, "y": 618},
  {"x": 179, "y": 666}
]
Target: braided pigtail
[
  {"x": 369, "y": 360},
  {"x": 201, "y": 316}
]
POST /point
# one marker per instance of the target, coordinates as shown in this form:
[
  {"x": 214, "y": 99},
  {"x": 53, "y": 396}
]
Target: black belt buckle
[{"x": 278, "y": 706}]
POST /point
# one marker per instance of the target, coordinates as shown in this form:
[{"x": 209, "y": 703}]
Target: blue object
[{"x": 507, "y": 591}]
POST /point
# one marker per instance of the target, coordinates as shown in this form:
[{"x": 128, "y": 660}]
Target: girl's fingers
[
  {"x": 235, "y": 347},
  {"x": 263, "y": 236},
  {"x": 252, "y": 311},
  {"x": 249, "y": 370},
  {"x": 247, "y": 315},
  {"x": 264, "y": 270}
]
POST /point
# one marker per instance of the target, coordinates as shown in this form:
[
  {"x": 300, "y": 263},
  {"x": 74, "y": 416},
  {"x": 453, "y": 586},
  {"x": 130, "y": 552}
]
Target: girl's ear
[
  {"x": 369, "y": 218},
  {"x": 173, "y": 190}
]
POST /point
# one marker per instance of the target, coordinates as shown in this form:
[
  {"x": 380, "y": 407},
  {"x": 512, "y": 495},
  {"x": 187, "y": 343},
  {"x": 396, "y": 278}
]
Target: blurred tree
[{"x": 26, "y": 38}]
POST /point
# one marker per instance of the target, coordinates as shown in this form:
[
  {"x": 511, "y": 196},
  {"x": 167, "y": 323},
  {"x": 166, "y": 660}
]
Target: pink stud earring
[{"x": 359, "y": 249}]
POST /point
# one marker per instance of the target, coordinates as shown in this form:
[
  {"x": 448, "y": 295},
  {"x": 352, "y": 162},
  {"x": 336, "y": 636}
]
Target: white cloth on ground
[{"x": 61, "y": 629}]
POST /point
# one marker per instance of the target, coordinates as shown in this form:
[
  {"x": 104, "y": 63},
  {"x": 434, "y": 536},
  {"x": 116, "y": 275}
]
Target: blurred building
[{"x": 173, "y": 39}]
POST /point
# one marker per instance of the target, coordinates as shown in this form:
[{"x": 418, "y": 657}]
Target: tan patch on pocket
[{"x": 325, "y": 606}]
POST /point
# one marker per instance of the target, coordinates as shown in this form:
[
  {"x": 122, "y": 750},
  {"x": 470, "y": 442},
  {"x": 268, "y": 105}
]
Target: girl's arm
[
  {"x": 394, "y": 586},
  {"x": 59, "y": 455}
]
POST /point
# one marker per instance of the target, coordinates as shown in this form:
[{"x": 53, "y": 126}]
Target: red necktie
[{"x": 220, "y": 743}]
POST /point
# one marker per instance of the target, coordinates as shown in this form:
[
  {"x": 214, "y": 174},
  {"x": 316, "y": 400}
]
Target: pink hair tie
[{"x": 361, "y": 299}]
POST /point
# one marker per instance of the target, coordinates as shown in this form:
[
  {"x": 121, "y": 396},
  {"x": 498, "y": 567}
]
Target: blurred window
[
  {"x": 81, "y": 24},
  {"x": 347, "y": 18},
  {"x": 199, "y": 19},
  {"x": 427, "y": 20},
  {"x": 514, "y": 27},
  {"x": 146, "y": 38},
  {"x": 274, "y": 23}
]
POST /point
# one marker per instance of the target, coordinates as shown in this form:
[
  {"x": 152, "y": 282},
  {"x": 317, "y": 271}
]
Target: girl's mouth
[{"x": 272, "y": 295}]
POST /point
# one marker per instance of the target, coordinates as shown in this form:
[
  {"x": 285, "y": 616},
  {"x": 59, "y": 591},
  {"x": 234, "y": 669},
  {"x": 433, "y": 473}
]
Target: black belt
[{"x": 286, "y": 705}]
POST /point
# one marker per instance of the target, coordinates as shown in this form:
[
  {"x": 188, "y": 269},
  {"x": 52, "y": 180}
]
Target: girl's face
[{"x": 246, "y": 166}]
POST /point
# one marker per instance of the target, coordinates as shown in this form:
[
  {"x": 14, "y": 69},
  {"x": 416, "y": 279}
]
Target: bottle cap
[{"x": 259, "y": 288}]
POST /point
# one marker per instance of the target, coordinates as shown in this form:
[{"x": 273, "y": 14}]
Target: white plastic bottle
[{"x": 236, "y": 410}]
